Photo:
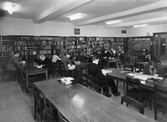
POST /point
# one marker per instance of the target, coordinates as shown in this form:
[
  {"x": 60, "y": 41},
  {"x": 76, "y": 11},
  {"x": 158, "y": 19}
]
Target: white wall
[
  {"x": 9, "y": 26},
  {"x": 146, "y": 31}
]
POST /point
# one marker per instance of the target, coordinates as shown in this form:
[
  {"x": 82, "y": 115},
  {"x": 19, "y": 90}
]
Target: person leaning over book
[
  {"x": 13, "y": 61},
  {"x": 153, "y": 69},
  {"x": 75, "y": 72}
]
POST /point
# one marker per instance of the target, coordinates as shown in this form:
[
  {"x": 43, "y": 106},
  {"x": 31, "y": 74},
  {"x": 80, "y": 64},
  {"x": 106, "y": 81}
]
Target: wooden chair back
[
  {"x": 160, "y": 100},
  {"x": 38, "y": 104},
  {"x": 133, "y": 83},
  {"x": 134, "y": 103},
  {"x": 85, "y": 77}
]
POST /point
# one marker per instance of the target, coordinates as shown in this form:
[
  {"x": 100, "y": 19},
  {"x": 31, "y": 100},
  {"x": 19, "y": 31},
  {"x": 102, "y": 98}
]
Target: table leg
[
  {"x": 124, "y": 87},
  {"x": 27, "y": 84},
  {"x": 46, "y": 75}
]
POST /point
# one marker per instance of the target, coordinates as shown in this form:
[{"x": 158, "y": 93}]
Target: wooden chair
[
  {"x": 62, "y": 71},
  {"x": 21, "y": 79},
  {"x": 160, "y": 101},
  {"x": 121, "y": 61},
  {"x": 138, "y": 66},
  {"x": 55, "y": 70},
  {"x": 134, "y": 103},
  {"x": 38, "y": 104},
  {"x": 134, "y": 90},
  {"x": 85, "y": 77},
  {"x": 61, "y": 118}
]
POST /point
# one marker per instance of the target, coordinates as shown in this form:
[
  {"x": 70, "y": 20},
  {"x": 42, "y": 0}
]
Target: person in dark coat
[
  {"x": 95, "y": 70},
  {"x": 46, "y": 63},
  {"x": 75, "y": 72}
]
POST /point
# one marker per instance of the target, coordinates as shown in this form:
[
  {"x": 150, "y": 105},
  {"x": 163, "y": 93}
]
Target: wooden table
[
  {"x": 81, "y": 104},
  {"x": 34, "y": 71},
  {"x": 121, "y": 75}
]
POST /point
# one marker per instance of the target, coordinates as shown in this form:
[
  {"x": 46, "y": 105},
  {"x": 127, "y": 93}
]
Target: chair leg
[
  {"x": 34, "y": 109},
  {"x": 2, "y": 77},
  {"x": 155, "y": 112},
  {"x": 117, "y": 83},
  {"x": 150, "y": 102}
]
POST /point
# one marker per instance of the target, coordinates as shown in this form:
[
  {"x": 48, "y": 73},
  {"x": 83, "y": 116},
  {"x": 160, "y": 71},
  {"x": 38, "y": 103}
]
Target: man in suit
[
  {"x": 95, "y": 70},
  {"x": 46, "y": 63},
  {"x": 153, "y": 69},
  {"x": 75, "y": 72}
]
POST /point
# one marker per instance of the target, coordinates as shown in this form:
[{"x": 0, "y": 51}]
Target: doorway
[{"x": 160, "y": 45}]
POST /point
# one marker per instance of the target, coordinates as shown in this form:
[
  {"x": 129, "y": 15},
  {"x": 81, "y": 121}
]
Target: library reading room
[{"x": 83, "y": 60}]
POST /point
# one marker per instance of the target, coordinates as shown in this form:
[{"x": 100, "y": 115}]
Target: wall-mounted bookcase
[
  {"x": 7, "y": 46},
  {"x": 30, "y": 46},
  {"x": 136, "y": 44},
  {"x": 117, "y": 43}
]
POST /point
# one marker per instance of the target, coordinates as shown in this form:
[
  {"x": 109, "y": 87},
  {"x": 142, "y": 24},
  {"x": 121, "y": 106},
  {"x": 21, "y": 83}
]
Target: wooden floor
[{"x": 15, "y": 106}]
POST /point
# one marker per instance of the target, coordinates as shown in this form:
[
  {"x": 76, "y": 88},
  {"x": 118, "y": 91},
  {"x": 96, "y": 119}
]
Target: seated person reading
[
  {"x": 45, "y": 63},
  {"x": 75, "y": 72},
  {"x": 95, "y": 70},
  {"x": 153, "y": 69}
]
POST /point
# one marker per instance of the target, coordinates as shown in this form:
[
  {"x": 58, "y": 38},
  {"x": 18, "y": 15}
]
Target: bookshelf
[
  {"x": 46, "y": 46},
  {"x": 107, "y": 43},
  {"x": 117, "y": 43},
  {"x": 136, "y": 44},
  {"x": 58, "y": 44},
  {"x": 6, "y": 48},
  {"x": 71, "y": 45},
  {"x": 30, "y": 46},
  {"x": 82, "y": 45}
]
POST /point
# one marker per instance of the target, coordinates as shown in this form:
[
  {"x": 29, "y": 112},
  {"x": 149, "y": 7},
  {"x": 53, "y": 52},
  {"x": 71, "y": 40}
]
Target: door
[{"x": 160, "y": 45}]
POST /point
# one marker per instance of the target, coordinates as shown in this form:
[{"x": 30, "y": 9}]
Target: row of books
[{"x": 6, "y": 48}]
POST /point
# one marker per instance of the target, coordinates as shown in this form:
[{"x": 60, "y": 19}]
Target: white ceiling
[{"x": 131, "y": 12}]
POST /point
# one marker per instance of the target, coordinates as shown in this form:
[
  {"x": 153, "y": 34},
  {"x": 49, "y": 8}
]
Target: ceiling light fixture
[
  {"x": 76, "y": 16},
  {"x": 143, "y": 25},
  {"x": 113, "y": 22},
  {"x": 10, "y": 7}
]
